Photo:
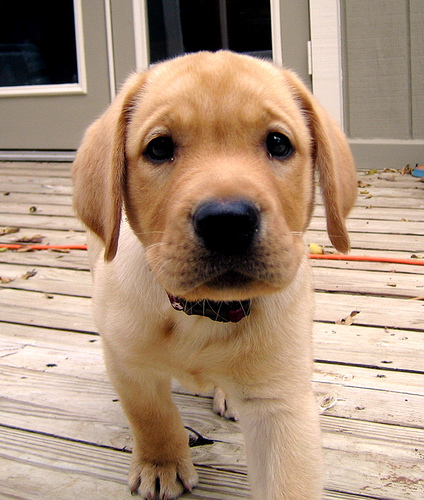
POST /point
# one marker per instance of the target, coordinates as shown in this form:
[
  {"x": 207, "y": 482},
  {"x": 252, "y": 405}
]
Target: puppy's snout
[{"x": 227, "y": 226}]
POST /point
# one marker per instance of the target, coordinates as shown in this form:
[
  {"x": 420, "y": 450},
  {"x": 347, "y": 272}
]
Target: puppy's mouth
[{"x": 228, "y": 284}]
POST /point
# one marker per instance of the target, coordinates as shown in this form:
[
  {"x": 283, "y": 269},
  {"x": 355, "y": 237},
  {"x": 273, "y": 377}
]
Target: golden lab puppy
[{"x": 197, "y": 186}]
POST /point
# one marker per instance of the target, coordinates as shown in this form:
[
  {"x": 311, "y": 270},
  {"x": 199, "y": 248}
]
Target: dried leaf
[
  {"x": 390, "y": 178},
  {"x": 8, "y": 230},
  {"x": 29, "y": 274},
  {"x": 363, "y": 184},
  {"x": 348, "y": 320},
  {"x": 37, "y": 238},
  {"x": 405, "y": 170},
  {"x": 5, "y": 279},
  {"x": 364, "y": 192}
]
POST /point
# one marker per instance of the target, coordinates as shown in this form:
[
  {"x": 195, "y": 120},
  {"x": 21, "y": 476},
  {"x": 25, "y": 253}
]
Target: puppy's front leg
[
  {"x": 283, "y": 447},
  {"x": 161, "y": 465}
]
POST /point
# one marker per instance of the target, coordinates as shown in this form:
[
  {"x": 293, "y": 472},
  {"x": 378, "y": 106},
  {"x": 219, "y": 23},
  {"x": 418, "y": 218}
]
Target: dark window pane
[
  {"x": 249, "y": 25},
  {"x": 179, "y": 26},
  {"x": 37, "y": 42}
]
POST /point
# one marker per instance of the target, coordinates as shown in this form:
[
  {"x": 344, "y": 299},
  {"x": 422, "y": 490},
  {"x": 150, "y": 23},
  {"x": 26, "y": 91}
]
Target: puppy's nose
[{"x": 227, "y": 226}]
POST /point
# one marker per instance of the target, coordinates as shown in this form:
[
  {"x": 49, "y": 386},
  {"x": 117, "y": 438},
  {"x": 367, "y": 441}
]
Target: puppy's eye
[
  {"x": 278, "y": 145},
  {"x": 160, "y": 149}
]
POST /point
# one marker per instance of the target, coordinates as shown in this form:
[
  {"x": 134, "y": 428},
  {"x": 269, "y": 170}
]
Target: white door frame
[
  {"x": 326, "y": 55},
  {"x": 277, "y": 44},
  {"x": 141, "y": 35}
]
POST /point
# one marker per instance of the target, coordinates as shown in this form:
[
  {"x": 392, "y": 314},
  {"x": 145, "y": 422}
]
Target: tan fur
[{"x": 218, "y": 108}]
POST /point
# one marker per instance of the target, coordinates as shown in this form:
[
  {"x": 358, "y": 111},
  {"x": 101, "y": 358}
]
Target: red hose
[
  {"x": 366, "y": 258},
  {"x": 351, "y": 258},
  {"x": 16, "y": 246}
]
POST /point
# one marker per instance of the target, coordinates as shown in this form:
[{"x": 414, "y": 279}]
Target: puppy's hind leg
[
  {"x": 223, "y": 406},
  {"x": 161, "y": 465}
]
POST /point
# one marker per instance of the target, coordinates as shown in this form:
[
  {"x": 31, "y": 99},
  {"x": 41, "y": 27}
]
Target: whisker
[
  {"x": 156, "y": 245},
  {"x": 142, "y": 233}
]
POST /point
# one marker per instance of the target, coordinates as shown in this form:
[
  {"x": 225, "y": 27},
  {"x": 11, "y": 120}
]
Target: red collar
[{"x": 233, "y": 311}]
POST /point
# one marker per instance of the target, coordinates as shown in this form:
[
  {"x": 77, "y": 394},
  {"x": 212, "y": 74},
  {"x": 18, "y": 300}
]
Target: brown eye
[
  {"x": 160, "y": 149},
  {"x": 278, "y": 145}
]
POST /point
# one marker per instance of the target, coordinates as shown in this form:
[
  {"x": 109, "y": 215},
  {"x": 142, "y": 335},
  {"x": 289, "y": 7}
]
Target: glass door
[{"x": 180, "y": 26}]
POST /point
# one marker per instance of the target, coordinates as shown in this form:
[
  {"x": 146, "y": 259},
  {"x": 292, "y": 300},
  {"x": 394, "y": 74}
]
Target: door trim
[
  {"x": 326, "y": 52},
  {"x": 276, "y": 39},
  {"x": 141, "y": 35}
]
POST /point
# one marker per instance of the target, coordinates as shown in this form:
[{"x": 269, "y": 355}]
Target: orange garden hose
[
  {"x": 367, "y": 258},
  {"x": 351, "y": 258},
  {"x": 16, "y": 246}
]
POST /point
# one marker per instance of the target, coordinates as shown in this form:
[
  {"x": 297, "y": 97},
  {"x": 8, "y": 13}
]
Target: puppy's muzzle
[{"x": 227, "y": 227}]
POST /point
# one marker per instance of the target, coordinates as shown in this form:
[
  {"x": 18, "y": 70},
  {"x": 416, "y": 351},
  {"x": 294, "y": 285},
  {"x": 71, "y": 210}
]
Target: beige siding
[
  {"x": 417, "y": 67},
  {"x": 378, "y": 62}
]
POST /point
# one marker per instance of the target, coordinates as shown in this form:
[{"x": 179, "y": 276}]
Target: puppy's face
[
  {"x": 219, "y": 177},
  {"x": 213, "y": 156}
]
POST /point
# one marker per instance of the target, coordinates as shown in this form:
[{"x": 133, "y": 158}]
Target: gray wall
[{"x": 384, "y": 68}]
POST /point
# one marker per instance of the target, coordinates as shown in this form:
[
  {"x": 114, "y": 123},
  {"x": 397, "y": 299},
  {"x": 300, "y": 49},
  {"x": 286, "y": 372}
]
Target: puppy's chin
[
  {"x": 229, "y": 281},
  {"x": 229, "y": 287}
]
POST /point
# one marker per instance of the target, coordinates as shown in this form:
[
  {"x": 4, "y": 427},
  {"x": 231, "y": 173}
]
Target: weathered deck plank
[{"x": 62, "y": 432}]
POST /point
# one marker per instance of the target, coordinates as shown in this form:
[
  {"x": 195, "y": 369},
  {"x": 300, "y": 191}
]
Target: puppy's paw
[
  {"x": 222, "y": 406},
  {"x": 161, "y": 481}
]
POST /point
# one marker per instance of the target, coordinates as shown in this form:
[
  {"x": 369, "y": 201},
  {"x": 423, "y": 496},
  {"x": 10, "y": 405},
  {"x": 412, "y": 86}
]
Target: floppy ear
[
  {"x": 334, "y": 162},
  {"x": 99, "y": 168}
]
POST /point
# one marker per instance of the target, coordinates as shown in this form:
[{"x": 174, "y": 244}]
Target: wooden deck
[{"x": 62, "y": 432}]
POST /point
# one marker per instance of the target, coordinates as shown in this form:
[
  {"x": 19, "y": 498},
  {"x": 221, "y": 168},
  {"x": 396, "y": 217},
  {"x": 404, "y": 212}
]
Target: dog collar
[{"x": 233, "y": 311}]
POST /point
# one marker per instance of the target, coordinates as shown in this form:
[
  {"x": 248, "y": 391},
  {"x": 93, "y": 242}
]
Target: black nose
[{"x": 227, "y": 226}]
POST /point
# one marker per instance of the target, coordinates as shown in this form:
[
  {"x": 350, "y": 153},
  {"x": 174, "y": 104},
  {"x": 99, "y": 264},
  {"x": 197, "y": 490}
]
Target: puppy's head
[{"x": 213, "y": 156}]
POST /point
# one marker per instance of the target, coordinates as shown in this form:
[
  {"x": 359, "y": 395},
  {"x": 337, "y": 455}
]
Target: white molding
[
  {"x": 36, "y": 90},
  {"x": 277, "y": 44},
  {"x": 59, "y": 89},
  {"x": 80, "y": 46},
  {"x": 109, "y": 49},
  {"x": 141, "y": 35},
  {"x": 326, "y": 41}
]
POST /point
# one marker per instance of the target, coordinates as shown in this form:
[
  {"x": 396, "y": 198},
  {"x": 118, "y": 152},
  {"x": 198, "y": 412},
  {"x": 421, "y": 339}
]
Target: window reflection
[
  {"x": 179, "y": 26},
  {"x": 37, "y": 42}
]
